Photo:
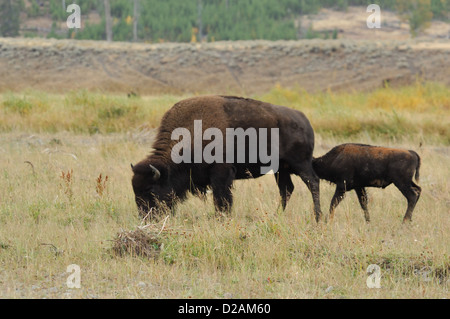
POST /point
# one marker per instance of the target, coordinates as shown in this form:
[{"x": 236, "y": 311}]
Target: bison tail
[{"x": 417, "y": 176}]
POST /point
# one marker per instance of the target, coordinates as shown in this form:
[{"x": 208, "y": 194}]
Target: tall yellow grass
[{"x": 420, "y": 111}]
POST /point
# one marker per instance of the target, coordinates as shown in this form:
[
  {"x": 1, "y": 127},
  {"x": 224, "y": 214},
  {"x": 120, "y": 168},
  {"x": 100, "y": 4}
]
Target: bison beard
[
  {"x": 158, "y": 181},
  {"x": 356, "y": 166}
]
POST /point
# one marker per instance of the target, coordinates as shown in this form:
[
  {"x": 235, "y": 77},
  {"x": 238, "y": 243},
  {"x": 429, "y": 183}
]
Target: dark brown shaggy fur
[{"x": 296, "y": 144}]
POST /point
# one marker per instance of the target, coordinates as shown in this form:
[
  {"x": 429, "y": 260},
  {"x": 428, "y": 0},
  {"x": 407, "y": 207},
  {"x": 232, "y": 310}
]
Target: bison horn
[
  {"x": 155, "y": 172},
  {"x": 132, "y": 166}
]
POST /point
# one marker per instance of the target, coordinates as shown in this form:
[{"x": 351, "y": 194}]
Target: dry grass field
[{"x": 65, "y": 194}]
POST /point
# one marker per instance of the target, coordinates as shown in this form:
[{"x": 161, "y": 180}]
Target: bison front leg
[
  {"x": 362, "y": 197},
  {"x": 222, "y": 177},
  {"x": 337, "y": 197}
]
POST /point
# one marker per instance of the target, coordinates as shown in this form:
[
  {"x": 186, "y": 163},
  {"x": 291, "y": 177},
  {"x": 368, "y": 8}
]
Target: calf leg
[
  {"x": 285, "y": 186},
  {"x": 412, "y": 193},
  {"x": 222, "y": 177},
  {"x": 417, "y": 190},
  {"x": 309, "y": 177},
  {"x": 362, "y": 197},
  {"x": 337, "y": 197}
]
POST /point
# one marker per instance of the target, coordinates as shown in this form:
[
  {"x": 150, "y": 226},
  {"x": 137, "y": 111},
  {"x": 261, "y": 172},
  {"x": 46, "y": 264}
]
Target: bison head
[{"x": 151, "y": 189}]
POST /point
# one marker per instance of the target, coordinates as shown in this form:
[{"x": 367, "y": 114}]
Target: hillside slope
[{"x": 241, "y": 67}]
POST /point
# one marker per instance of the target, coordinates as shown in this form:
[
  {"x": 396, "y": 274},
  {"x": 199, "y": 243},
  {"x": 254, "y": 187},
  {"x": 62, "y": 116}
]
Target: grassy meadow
[{"x": 65, "y": 193}]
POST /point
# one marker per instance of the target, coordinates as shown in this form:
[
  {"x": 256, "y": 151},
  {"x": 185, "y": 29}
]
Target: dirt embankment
[{"x": 241, "y": 67}]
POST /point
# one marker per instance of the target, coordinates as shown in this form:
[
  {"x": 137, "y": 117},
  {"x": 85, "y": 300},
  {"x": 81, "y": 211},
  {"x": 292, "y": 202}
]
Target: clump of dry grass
[
  {"x": 144, "y": 241},
  {"x": 139, "y": 242}
]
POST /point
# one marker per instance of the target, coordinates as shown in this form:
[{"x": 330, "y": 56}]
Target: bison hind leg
[
  {"x": 417, "y": 189},
  {"x": 310, "y": 178},
  {"x": 338, "y": 196},
  {"x": 285, "y": 185},
  {"x": 412, "y": 193}
]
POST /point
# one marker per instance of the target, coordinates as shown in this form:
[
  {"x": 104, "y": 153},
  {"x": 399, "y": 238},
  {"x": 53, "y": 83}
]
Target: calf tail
[{"x": 417, "y": 176}]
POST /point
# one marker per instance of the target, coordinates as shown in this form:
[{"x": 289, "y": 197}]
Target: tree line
[{"x": 201, "y": 20}]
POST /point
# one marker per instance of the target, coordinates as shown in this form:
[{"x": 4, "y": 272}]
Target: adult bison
[
  {"x": 171, "y": 170},
  {"x": 356, "y": 166}
]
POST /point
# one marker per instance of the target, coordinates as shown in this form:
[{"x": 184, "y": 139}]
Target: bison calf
[{"x": 356, "y": 166}]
